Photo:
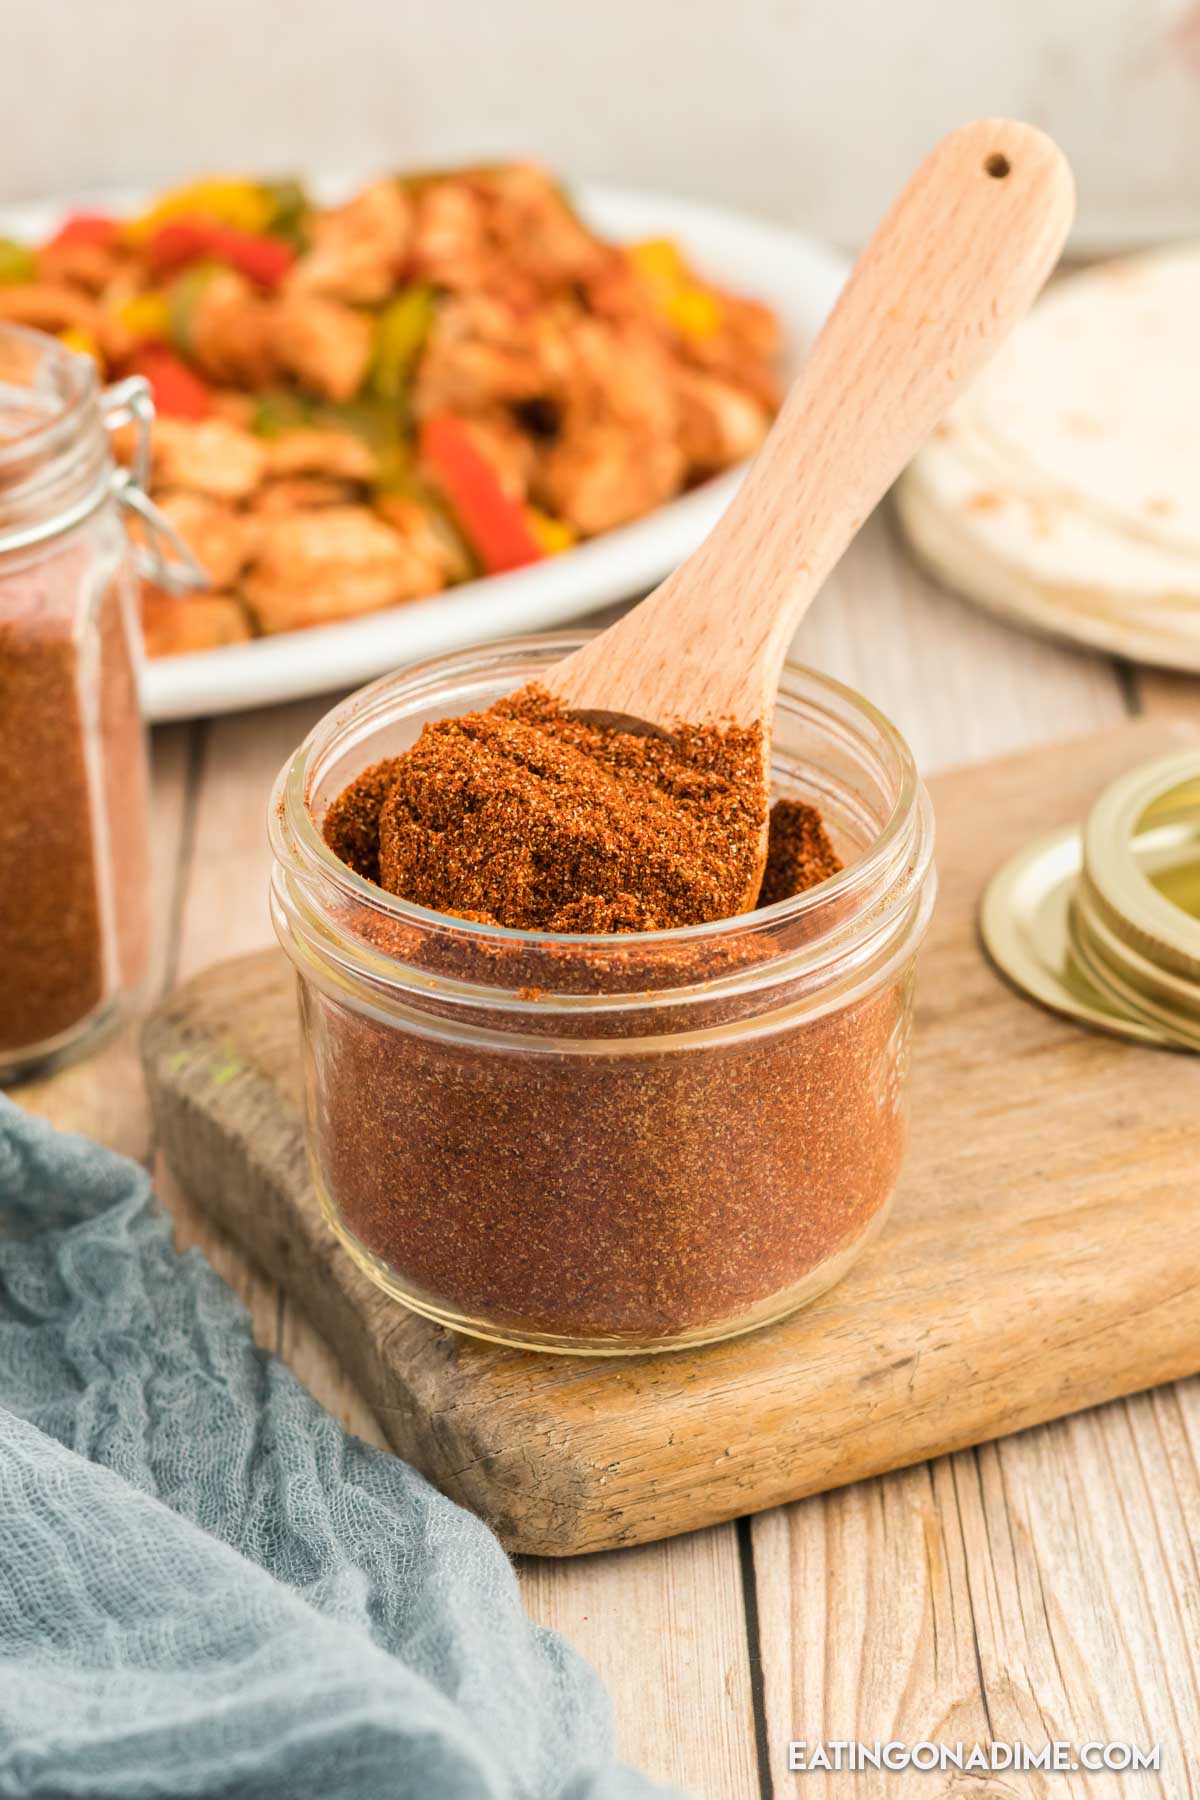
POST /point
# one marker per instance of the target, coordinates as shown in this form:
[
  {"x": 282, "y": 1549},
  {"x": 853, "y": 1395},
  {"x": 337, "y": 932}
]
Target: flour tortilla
[{"x": 1065, "y": 486}]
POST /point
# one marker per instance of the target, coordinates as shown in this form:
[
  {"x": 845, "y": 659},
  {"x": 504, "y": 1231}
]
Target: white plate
[{"x": 799, "y": 278}]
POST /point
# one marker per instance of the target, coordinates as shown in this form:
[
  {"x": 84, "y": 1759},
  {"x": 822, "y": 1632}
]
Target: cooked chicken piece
[
  {"x": 742, "y": 350},
  {"x": 54, "y": 307},
  {"x": 749, "y": 323},
  {"x": 233, "y": 406},
  {"x": 737, "y": 369},
  {"x": 431, "y": 531},
  {"x": 621, "y": 371},
  {"x": 719, "y": 424},
  {"x": 613, "y": 290},
  {"x": 325, "y": 345},
  {"x": 449, "y": 242},
  {"x": 703, "y": 325},
  {"x": 315, "y": 567},
  {"x": 90, "y": 266},
  {"x": 47, "y": 306},
  {"x": 617, "y": 454},
  {"x": 532, "y": 226},
  {"x": 175, "y": 623},
  {"x": 511, "y": 453},
  {"x": 596, "y": 479},
  {"x": 231, "y": 334},
  {"x": 207, "y": 456},
  {"x": 220, "y": 539},
  {"x": 302, "y": 493},
  {"x": 483, "y": 353},
  {"x": 358, "y": 250},
  {"x": 321, "y": 450},
  {"x": 508, "y": 233}
]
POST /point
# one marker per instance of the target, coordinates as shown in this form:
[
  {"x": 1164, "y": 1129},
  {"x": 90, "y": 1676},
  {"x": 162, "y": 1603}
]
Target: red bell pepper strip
[
  {"x": 93, "y": 229},
  {"x": 180, "y": 242},
  {"x": 178, "y": 394},
  {"x": 494, "y": 522},
  {"x": 258, "y": 257}
]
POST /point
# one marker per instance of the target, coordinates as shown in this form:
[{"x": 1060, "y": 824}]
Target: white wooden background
[
  {"x": 1046, "y": 1586},
  {"x": 806, "y": 110}
]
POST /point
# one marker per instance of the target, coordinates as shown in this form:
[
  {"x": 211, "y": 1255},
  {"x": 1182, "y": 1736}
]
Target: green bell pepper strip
[
  {"x": 17, "y": 262},
  {"x": 401, "y": 332}
]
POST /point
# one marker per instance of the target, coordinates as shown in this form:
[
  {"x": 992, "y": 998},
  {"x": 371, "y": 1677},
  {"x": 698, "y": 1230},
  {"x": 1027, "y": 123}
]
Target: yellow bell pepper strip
[
  {"x": 553, "y": 535},
  {"x": 178, "y": 393},
  {"x": 401, "y": 332},
  {"x": 16, "y": 263},
  {"x": 684, "y": 302},
  {"x": 82, "y": 343},
  {"x": 494, "y": 523},
  {"x": 224, "y": 200},
  {"x": 694, "y": 311},
  {"x": 659, "y": 264},
  {"x": 146, "y": 317}
]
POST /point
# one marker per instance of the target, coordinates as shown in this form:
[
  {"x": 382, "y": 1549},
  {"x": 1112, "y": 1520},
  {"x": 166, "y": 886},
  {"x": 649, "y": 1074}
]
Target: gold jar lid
[{"x": 1102, "y": 923}]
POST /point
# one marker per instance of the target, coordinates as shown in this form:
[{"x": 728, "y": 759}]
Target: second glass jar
[{"x": 74, "y": 850}]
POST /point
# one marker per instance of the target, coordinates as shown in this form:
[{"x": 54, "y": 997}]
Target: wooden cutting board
[{"x": 1043, "y": 1254}]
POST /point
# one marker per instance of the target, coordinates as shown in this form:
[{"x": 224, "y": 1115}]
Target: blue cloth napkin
[{"x": 206, "y": 1586}]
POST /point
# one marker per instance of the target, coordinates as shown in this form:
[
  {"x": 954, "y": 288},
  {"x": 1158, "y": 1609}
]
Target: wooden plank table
[{"x": 1043, "y": 1587}]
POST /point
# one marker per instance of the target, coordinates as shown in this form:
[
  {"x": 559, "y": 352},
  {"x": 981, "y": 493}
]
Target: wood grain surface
[
  {"x": 1007, "y": 1289},
  {"x": 1053, "y": 1575}
]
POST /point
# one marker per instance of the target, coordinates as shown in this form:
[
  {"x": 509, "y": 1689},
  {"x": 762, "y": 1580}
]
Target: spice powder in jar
[
  {"x": 74, "y": 914},
  {"x": 526, "y": 817},
  {"x": 704, "y": 1142}
]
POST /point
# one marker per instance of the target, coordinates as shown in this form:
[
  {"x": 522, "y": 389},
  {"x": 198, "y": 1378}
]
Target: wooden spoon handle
[{"x": 955, "y": 264}]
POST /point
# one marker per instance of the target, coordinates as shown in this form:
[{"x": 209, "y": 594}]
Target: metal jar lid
[{"x": 1103, "y": 923}]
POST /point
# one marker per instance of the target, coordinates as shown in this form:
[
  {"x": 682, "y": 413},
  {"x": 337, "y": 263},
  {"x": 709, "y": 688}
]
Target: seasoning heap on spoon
[{"x": 629, "y": 791}]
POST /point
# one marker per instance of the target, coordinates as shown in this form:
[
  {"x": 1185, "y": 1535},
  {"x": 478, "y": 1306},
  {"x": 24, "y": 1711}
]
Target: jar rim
[
  {"x": 905, "y": 838},
  {"x": 55, "y": 472},
  {"x": 80, "y": 381}
]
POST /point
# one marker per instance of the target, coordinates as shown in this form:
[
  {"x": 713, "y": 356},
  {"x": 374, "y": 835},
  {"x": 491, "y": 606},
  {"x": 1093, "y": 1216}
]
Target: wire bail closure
[{"x": 163, "y": 558}]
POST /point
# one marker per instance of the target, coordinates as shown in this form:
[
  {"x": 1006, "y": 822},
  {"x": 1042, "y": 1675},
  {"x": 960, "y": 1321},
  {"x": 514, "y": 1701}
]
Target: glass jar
[
  {"x": 74, "y": 885},
  {"x": 608, "y": 1144}
]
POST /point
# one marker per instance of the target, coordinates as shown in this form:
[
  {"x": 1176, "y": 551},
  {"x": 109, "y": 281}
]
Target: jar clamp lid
[
  {"x": 164, "y": 558},
  {"x": 60, "y": 470},
  {"x": 1103, "y": 924}
]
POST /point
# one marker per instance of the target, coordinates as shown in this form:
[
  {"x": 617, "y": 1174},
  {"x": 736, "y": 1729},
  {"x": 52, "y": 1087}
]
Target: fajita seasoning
[
  {"x": 616, "y": 1142},
  {"x": 526, "y": 817},
  {"x": 74, "y": 819}
]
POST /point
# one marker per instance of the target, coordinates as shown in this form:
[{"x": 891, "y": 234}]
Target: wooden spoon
[{"x": 955, "y": 264}]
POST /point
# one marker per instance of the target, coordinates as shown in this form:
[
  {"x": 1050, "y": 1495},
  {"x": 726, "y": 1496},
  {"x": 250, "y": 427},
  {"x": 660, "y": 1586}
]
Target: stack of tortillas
[{"x": 1064, "y": 489}]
